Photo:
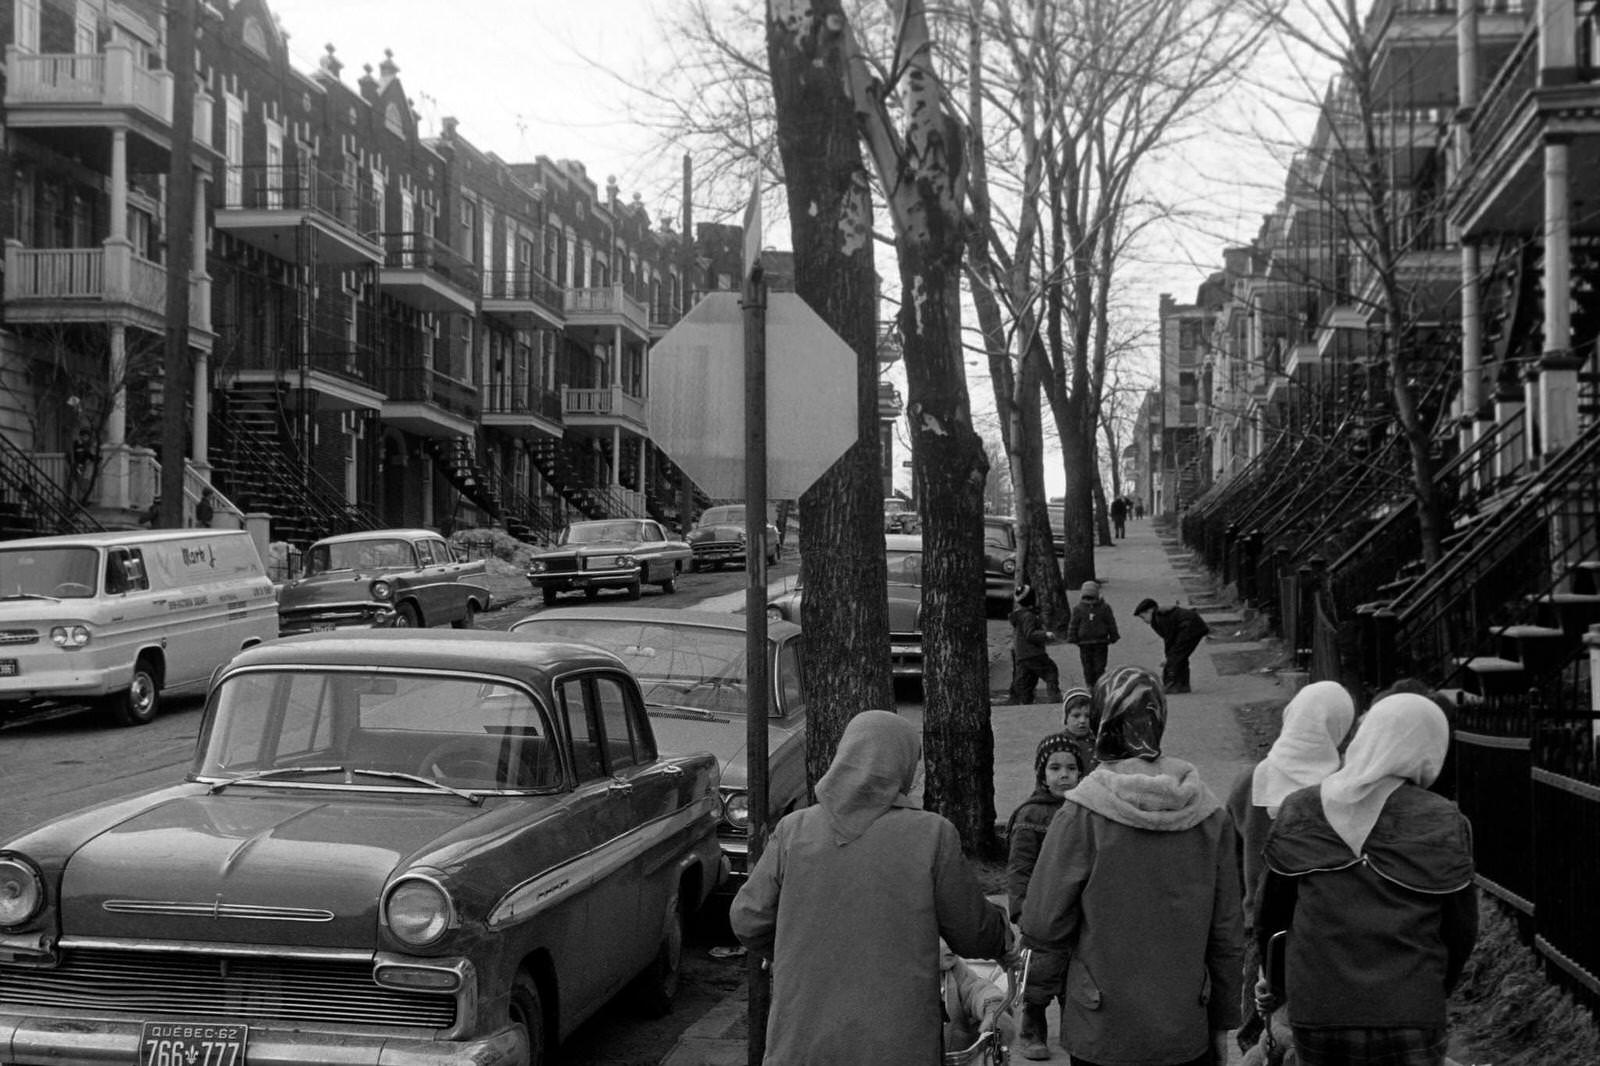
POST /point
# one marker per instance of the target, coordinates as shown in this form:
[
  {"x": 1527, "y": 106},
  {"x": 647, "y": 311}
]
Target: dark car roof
[
  {"x": 666, "y": 616},
  {"x": 478, "y": 651}
]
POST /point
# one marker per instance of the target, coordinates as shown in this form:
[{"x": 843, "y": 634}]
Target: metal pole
[{"x": 755, "y": 612}]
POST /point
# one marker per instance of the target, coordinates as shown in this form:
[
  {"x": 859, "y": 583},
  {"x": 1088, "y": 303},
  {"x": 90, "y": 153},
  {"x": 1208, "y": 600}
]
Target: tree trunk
[
  {"x": 1077, "y": 461},
  {"x": 949, "y": 467},
  {"x": 844, "y": 615}
]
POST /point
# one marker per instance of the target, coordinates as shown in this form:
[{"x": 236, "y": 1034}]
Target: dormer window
[
  {"x": 394, "y": 120},
  {"x": 255, "y": 38}
]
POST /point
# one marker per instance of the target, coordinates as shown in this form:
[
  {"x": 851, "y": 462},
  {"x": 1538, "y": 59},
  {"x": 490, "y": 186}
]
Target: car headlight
[
  {"x": 623, "y": 561},
  {"x": 1009, "y": 566},
  {"x": 741, "y": 536},
  {"x": 21, "y": 891},
  {"x": 736, "y": 810},
  {"x": 418, "y": 911},
  {"x": 536, "y": 566},
  {"x": 382, "y": 590},
  {"x": 69, "y": 636}
]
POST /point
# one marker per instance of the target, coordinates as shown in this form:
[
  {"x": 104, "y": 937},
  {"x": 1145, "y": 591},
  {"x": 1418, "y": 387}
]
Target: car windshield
[
  {"x": 597, "y": 532},
  {"x": 370, "y": 729},
  {"x": 359, "y": 555},
  {"x": 905, "y": 567},
  {"x": 678, "y": 666},
  {"x": 722, "y": 516},
  {"x": 61, "y": 573},
  {"x": 998, "y": 535}
]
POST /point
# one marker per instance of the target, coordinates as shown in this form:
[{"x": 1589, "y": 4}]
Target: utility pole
[{"x": 176, "y": 364}]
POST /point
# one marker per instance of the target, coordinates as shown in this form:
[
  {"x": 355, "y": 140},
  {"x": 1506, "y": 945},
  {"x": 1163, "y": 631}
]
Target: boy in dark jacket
[
  {"x": 1181, "y": 630},
  {"x": 1093, "y": 628},
  {"x": 1056, "y": 769},
  {"x": 1030, "y": 661}
]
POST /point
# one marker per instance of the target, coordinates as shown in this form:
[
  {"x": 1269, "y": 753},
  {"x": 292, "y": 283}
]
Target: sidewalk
[{"x": 1201, "y": 728}]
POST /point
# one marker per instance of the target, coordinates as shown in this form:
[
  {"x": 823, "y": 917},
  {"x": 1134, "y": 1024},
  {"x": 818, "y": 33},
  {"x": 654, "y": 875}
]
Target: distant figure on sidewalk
[
  {"x": 1181, "y": 630},
  {"x": 1138, "y": 509},
  {"x": 1030, "y": 659},
  {"x": 1371, "y": 874},
  {"x": 1137, "y": 883},
  {"x": 849, "y": 901},
  {"x": 1119, "y": 517},
  {"x": 1315, "y": 724},
  {"x": 1093, "y": 628},
  {"x": 1056, "y": 770}
]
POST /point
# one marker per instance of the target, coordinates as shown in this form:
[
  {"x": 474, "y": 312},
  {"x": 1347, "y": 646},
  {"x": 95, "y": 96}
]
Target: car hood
[
  {"x": 333, "y": 587},
  {"x": 723, "y": 736},
  {"x": 249, "y": 868},
  {"x": 593, "y": 547},
  {"x": 724, "y": 531}
]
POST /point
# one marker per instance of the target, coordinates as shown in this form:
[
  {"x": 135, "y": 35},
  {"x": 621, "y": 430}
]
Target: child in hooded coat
[
  {"x": 1056, "y": 769},
  {"x": 1079, "y": 721}
]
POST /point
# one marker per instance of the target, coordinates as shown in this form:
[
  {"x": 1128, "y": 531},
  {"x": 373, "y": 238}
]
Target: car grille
[
  {"x": 143, "y": 983},
  {"x": 19, "y": 636},
  {"x": 560, "y": 566}
]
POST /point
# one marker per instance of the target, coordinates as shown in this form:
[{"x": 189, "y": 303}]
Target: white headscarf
[
  {"x": 1307, "y": 748},
  {"x": 872, "y": 771},
  {"x": 1403, "y": 738}
]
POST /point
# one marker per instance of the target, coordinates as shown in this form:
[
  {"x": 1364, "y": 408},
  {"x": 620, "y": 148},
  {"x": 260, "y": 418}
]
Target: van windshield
[{"x": 62, "y": 573}]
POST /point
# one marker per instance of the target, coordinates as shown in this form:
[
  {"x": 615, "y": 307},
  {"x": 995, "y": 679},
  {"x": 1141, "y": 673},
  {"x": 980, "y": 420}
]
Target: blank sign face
[{"x": 696, "y": 405}]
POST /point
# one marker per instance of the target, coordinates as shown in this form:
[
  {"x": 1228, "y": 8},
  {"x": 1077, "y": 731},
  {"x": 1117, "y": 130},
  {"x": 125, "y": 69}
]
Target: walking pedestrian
[
  {"x": 1315, "y": 724},
  {"x": 1371, "y": 875},
  {"x": 1056, "y": 770},
  {"x": 1030, "y": 657},
  {"x": 1119, "y": 517},
  {"x": 1181, "y": 630},
  {"x": 1137, "y": 883},
  {"x": 849, "y": 901},
  {"x": 1093, "y": 628},
  {"x": 1078, "y": 721}
]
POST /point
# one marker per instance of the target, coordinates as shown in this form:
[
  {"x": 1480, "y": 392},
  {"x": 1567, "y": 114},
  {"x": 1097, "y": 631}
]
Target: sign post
[{"x": 755, "y": 615}]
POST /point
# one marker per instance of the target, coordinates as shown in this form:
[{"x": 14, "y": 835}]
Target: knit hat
[
  {"x": 1024, "y": 595},
  {"x": 1049, "y": 746},
  {"x": 1146, "y": 604},
  {"x": 1074, "y": 697},
  {"x": 1090, "y": 589}
]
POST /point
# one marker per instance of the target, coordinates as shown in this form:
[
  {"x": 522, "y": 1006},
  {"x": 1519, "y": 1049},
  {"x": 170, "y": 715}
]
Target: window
[
  {"x": 788, "y": 679},
  {"x": 233, "y": 153},
  {"x": 467, "y": 235},
  {"x": 85, "y": 31},
  {"x": 26, "y": 26},
  {"x": 125, "y": 571},
  {"x": 586, "y": 739},
  {"x": 255, "y": 38},
  {"x": 625, "y": 744}
]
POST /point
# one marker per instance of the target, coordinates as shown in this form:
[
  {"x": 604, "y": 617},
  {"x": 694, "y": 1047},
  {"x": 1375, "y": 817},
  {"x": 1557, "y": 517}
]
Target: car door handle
[
  {"x": 673, "y": 770},
  {"x": 619, "y": 788}
]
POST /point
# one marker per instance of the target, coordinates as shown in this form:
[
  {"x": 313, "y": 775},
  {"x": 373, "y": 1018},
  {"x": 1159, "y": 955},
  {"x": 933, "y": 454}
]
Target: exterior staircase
[
  {"x": 457, "y": 460},
  {"x": 31, "y": 505},
  {"x": 563, "y": 465}
]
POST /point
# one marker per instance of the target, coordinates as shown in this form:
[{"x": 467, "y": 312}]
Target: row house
[{"x": 1483, "y": 279}]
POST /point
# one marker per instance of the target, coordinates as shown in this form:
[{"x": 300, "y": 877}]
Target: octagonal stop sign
[{"x": 696, "y": 405}]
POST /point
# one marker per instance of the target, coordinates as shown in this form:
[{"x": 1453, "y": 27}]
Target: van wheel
[
  {"x": 657, "y": 986},
  {"x": 468, "y": 619},
  {"x": 527, "y": 1012},
  {"x": 407, "y": 617},
  {"x": 138, "y": 703}
]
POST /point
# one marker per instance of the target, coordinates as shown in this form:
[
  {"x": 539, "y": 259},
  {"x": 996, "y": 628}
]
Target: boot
[{"x": 1035, "y": 1033}]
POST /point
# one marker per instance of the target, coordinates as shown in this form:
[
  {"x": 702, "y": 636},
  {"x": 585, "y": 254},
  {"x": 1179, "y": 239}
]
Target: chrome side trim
[{"x": 203, "y": 947}]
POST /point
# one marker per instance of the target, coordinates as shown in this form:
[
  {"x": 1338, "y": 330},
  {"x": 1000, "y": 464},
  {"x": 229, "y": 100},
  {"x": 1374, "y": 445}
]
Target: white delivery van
[{"x": 117, "y": 618}]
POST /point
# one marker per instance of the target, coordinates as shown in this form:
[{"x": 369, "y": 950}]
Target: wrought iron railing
[
  {"x": 426, "y": 385},
  {"x": 503, "y": 397},
  {"x": 524, "y": 286},
  {"x": 1503, "y": 99},
  {"x": 423, "y": 251},
  {"x": 36, "y": 500},
  {"x": 344, "y": 201}
]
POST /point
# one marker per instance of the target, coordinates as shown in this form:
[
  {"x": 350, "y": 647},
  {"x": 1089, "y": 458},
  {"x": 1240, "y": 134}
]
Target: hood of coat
[{"x": 1164, "y": 794}]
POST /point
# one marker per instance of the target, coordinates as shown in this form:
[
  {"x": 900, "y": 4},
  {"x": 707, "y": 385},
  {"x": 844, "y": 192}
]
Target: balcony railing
[
  {"x": 299, "y": 187},
  {"x": 422, "y": 251},
  {"x": 112, "y": 78},
  {"x": 426, "y": 385},
  {"x": 607, "y": 300},
  {"x": 611, "y": 402},
  {"x": 524, "y": 285},
  {"x": 109, "y": 273},
  {"x": 503, "y": 398},
  {"x": 1501, "y": 102}
]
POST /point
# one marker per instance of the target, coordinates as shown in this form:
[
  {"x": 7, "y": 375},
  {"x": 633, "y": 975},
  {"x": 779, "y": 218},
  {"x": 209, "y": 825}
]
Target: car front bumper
[
  {"x": 27, "y": 1039},
  {"x": 335, "y": 616},
  {"x": 610, "y": 578}
]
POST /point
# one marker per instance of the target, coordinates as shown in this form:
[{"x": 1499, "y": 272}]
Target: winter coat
[
  {"x": 966, "y": 998},
  {"x": 1029, "y": 638},
  {"x": 1092, "y": 622},
  {"x": 1376, "y": 941},
  {"x": 1024, "y": 834},
  {"x": 1253, "y": 825},
  {"x": 1179, "y": 627},
  {"x": 1137, "y": 882},
  {"x": 855, "y": 945}
]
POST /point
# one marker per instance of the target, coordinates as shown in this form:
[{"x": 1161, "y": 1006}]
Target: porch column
[
  {"x": 1471, "y": 343},
  {"x": 200, "y": 302},
  {"x": 1509, "y": 459},
  {"x": 1558, "y": 368},
  {"x": 616, "y": 352},
  {"x": 616, "y": 457},
  {"x": 118, "y": 279},
  {"x": 113, "y": 491}
]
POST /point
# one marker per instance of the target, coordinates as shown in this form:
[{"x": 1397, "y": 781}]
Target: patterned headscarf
[
  {"x": 1133, "y": 715},
  {"x": 1051, "y": 744}
]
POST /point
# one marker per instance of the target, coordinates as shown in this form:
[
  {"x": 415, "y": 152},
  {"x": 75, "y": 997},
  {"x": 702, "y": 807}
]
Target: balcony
[
  {"x": 522, "y": 409},
  {"x": 108, "y": 284},
  {"x": 424, "y": 401},
  {"x": 525, "y": 299},
  {"x": 268, "y": 206},
  {"x": 74, "y": 99},
  {"x": 602, "y": 407},
  {"x": 605, "y": 308},
  {"x": 1414, "y": 42},
  {"x": 428, "y": 274},
  {"x": 344, "y": 378}
]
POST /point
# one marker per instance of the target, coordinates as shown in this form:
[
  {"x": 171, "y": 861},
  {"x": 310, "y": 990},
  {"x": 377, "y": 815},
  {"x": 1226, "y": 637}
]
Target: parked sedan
[
  {"x": 718, "y": 537},
  {"x": 384, "y": 577},
  {"x": 691, "y": 666},
  {"x": 389, "y": 848},
  {"x": 610, "y": 553},
  {"x": 903, "y": 555},
  {"x": 999, "y": 558}
]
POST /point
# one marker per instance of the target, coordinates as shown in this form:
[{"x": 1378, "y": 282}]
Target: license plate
[
  {"x": 8, "y": 668},
  {"x": 192, "y": 1044},
  {"x": 321, "y": 627}
]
